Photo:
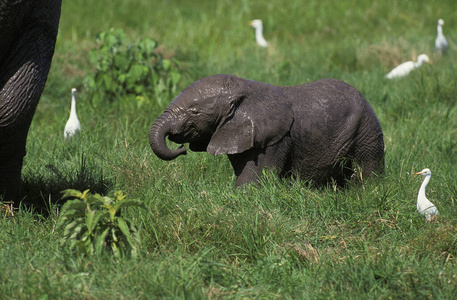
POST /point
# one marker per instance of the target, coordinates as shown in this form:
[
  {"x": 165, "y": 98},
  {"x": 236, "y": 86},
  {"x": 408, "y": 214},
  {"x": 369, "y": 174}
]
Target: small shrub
[
  {"x": 93, "y": 223},
  {"x": 136, "y": 70}
]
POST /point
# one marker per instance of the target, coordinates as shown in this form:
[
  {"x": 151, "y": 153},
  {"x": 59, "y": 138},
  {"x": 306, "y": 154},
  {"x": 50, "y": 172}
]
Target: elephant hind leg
[
  {"x": 371, "y": 159},
  {"x": 342, "y": 171}
]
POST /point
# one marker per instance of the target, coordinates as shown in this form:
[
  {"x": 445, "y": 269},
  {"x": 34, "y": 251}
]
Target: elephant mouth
[
  {"x": 196, "y": 144},
  {"x": 178, "y": 138}
]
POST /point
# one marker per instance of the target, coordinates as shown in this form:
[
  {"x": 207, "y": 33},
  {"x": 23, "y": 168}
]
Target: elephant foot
[{"x": 10, "y": 183}]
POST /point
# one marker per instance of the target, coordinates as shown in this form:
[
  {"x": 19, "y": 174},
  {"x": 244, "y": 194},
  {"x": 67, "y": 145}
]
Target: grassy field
[{"x": 279, "y": 240}]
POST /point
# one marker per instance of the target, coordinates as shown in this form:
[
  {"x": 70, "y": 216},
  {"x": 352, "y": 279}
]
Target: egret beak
[
  {"x": 430, "y": 62},
  {"x": 250, "y": 23},
  {"x": 419, "y": 173}
]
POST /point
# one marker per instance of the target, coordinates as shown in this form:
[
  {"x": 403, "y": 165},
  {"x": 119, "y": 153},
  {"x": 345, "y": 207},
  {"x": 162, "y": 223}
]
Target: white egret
[
  {"x": 257, "y": 24},
  {"x": 440, "y": 42},
  {"x": 73, "y": 126},
  {"x": 424, "y": 206},
  {"x": 406, "y": 67}
]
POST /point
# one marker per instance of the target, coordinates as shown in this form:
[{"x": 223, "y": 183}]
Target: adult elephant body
[
  {"x": 28, "y": 30},
  {"x": 316, "y": 130}
]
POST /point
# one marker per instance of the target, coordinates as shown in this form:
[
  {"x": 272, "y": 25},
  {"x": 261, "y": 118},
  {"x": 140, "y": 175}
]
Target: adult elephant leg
[
  {"x": 10, "y": 171},
  {"x": 27, "y": 40},
  {"x": 12, "y": 152}
]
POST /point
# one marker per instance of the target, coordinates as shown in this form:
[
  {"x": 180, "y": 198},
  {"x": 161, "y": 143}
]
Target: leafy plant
[
  {"x": 93, "y": 223},
  {"x": 137, "y": 69}
]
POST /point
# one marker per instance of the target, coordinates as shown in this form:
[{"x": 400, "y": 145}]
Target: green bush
[
  {"x": 136, "y": 70},
  {"x": 93, "y": 223}
]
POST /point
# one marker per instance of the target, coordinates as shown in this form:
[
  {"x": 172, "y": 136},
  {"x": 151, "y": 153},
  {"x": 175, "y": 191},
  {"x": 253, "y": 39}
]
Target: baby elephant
[{"x": 316, "y": 130}]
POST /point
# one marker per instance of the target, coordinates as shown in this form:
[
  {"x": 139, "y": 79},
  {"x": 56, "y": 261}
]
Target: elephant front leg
[
  {"x": 10, "y": 180},
  {"x": 248, "y": 166},
  {"x": 11, "y": 157}
]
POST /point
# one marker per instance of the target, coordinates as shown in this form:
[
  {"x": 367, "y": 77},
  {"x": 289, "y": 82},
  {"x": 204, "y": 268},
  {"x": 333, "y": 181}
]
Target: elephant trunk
[{"x": 159, "y": 131}]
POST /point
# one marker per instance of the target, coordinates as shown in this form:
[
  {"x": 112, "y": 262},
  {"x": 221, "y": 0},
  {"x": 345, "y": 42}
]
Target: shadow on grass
[{"x": 40, "y": 192}]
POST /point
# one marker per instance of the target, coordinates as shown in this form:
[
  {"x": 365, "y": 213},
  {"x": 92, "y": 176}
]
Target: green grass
[{"x": 281, "y": 239}]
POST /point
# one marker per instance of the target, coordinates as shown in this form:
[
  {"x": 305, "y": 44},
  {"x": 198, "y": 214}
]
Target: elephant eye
[{"x": 193, "y": 111}]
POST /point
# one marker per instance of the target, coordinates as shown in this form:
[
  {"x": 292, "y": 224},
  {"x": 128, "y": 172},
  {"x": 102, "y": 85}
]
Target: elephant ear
[{"x": 259, "y": 119}]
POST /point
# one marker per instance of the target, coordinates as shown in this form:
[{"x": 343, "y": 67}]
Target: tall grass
[{"x": 281, "y": 239}]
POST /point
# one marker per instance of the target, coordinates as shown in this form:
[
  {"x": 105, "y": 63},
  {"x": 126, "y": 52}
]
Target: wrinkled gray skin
[
  {"x": 28, "y": 30},
  {"x": 316, "y": 130}
]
